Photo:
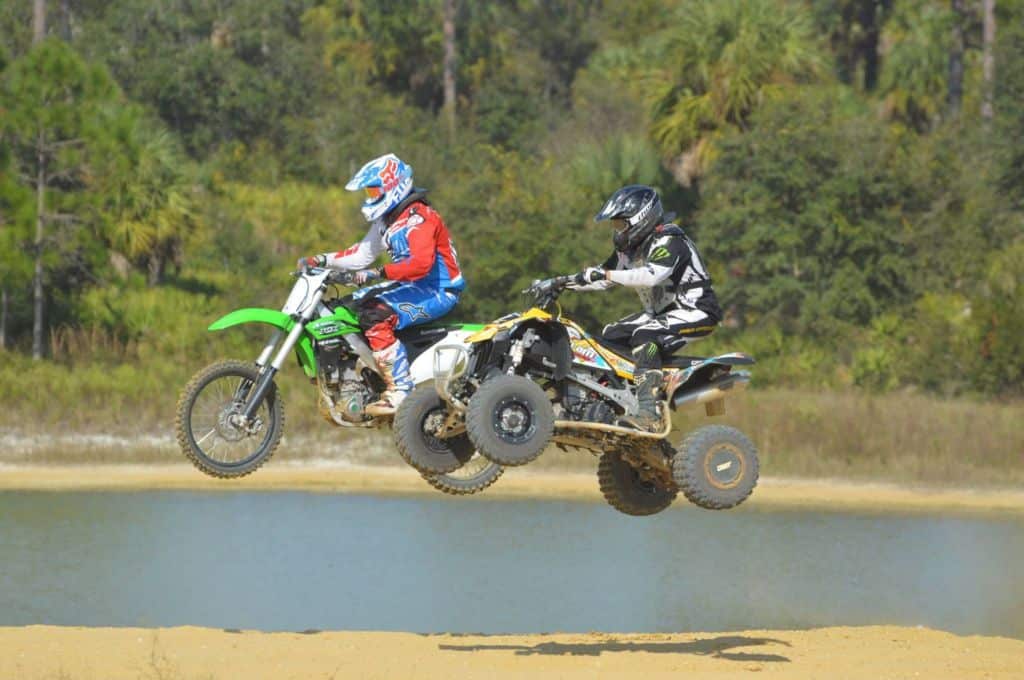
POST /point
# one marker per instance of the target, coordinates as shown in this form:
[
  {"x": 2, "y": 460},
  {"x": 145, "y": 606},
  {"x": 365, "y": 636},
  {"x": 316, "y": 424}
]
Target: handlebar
[
  {"x": 338, "y": 276},
  {"x": 546, "y": 291}
]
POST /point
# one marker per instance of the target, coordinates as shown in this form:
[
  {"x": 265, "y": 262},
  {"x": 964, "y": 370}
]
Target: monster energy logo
[
  {"x": 648, "y": 348},
  {"x": 659, "y": 253}
]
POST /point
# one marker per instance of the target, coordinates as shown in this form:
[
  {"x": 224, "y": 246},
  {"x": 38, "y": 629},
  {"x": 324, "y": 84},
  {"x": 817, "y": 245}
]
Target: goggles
[{"x": 373, "y": 193}]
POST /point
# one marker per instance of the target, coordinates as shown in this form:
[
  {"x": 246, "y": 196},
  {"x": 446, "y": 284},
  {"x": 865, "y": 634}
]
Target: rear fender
[
  {"x": 705, "y": 370},
  {"x": 280, "y": 320}
]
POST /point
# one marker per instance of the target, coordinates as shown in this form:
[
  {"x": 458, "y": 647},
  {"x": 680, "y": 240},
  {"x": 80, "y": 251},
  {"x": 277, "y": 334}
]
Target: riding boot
[
  {"x": 648, "y": 392},
  {"x": 393, "y": 363}
]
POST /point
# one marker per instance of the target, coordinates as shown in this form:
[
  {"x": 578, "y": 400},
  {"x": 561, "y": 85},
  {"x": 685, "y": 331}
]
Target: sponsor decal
[
  {"x": 639, "y": 217},
  {"x": 415, "y": 312},
  {"x": 584, "y": 352},
  {"x": 659, "y": 253},
  {"x": 389, "y": 175},
  {"x": 326, "y": 328}
]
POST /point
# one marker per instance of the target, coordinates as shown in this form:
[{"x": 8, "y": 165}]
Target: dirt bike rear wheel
[
  {"x": 475, "y": 475},
  {"x": 416, "y": 422},
  {"x": 627, "y": 490},
  {"x": 208, "y": 426}
]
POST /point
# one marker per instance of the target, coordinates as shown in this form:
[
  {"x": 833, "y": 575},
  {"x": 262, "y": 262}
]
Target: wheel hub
[
  {"x": 512, "y": 421},
  {"x": 232, "y": 426},
  {"x": 433, "y": 423},
  {"x": 724, "y": 465}
]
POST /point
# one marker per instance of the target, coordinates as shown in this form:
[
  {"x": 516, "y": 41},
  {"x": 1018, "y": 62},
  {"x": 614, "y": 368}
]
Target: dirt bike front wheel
[{"x": 211, "y": 430}]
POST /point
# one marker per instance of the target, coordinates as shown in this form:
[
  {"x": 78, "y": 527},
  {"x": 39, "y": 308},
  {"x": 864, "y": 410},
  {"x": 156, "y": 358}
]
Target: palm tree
[
  {"x": 148, "y": 210},
  {"x": 914, "y": 71},
  {"x": 715, "y": 67}
]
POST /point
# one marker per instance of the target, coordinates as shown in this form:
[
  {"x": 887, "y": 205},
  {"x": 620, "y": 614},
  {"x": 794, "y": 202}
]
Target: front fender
[{"x": 271, "y": 317}]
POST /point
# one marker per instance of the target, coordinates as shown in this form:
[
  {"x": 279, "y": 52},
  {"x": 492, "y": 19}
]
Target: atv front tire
[
  {"x": 627, "y": 491},
  {"x": 510, "y": 420},
  {"x": 716, "y": 467}
]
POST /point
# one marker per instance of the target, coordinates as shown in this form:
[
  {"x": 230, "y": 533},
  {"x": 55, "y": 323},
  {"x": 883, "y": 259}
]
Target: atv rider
[
  {"x": 659, "y": 260},
  {"x": 423, "y": 279}
]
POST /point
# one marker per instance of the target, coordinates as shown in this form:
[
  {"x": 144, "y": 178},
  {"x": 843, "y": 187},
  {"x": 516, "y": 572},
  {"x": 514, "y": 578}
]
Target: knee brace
[{"x": 378, "y": 323}]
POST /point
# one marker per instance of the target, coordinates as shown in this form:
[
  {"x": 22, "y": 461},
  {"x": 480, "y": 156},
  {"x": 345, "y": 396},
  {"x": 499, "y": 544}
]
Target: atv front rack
[{"x": 450, "y": 364}]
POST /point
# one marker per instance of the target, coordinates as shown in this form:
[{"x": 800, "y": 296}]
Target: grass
[{"x": 124, "y": 413}]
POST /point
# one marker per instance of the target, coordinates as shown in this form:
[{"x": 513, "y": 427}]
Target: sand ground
[
  {"x": 875, "y": 652},
  {"x": 868, "y": 653}
]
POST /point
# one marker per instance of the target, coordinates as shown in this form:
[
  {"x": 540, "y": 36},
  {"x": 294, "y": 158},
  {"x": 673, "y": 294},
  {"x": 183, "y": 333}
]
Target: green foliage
[
  {"x": 806, "y": 213},
  {"x": 997, "y": 312},
  {"x": 855, "y": 236},
  {"x": 214, "y": 75},
  {"x": 913, "y": 79},
  {"x": 720, "y": 62}
]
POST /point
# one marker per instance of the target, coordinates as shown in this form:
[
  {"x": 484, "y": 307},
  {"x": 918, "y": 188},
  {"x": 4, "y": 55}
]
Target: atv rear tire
[
  {"x": 417, "y": 443},
  {"x": 474, "y": 476},
  {"x": 626, "y": 491},
  {"x": 510, "y": 420},
  {"x": 716, "y": 467},
  {"x": 204, "y": 428}
]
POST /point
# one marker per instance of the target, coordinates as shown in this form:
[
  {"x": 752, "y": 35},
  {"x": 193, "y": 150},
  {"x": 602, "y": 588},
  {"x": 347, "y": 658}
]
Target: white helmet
[{"x": 386, "y": 181}]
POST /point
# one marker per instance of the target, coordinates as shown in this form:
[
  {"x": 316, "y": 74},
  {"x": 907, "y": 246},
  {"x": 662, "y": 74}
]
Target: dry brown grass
[{"x": 901, "y": 437}]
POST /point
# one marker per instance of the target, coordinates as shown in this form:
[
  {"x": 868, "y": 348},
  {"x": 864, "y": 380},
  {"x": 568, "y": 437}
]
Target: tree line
[{"x": 852, "y": 169}]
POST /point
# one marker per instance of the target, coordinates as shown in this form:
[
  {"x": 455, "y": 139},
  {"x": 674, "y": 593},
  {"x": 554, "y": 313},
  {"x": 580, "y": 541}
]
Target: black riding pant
[{"x": 654, "y": 336}]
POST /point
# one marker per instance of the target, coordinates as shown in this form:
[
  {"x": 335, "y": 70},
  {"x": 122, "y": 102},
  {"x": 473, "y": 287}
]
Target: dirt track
[{"x": 191, "y": 653}]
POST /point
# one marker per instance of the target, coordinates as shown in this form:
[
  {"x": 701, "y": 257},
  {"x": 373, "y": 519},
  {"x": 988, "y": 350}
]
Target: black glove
[{"x": 589, "y": 275}]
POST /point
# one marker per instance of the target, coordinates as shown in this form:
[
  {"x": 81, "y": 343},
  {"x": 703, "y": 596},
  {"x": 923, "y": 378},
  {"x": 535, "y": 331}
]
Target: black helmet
[{"x": 639, "y": 209}]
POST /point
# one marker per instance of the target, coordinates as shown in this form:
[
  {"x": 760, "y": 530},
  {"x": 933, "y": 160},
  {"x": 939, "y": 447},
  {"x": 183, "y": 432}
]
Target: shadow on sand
[{"x": 719, "y": 648}]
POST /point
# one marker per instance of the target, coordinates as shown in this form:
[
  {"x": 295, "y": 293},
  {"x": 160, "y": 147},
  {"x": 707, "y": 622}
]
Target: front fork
[{"x": 265, "y": 381}]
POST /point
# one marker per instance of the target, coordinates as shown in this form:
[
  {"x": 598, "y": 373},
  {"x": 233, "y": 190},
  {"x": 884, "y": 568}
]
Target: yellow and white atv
[{"x": 534, "y": 378}]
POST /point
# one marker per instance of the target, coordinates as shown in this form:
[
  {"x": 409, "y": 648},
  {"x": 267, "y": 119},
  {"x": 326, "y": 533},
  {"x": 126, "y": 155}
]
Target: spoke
[
  {"x": 217, "y": 399},
  {"x": 200, "y": 441}
]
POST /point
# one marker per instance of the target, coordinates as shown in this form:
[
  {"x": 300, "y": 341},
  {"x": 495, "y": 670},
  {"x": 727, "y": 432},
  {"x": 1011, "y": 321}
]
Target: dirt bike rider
[
  {"x": 424, "y": 280},
  {"x": 657, "y": 258}
]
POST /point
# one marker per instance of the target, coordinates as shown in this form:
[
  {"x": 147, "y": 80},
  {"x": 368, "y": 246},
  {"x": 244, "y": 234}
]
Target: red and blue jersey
[
  {"x": 421, "y": 249},
  {"x": 418, "y": 243}
]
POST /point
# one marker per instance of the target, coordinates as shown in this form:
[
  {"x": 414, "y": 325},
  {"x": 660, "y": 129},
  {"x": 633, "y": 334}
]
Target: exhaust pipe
[{"x": 737, "y": 380}]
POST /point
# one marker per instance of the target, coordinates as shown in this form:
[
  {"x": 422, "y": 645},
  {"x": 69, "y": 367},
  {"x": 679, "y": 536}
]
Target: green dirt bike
[
  {"x": 230, "y": 416},
  {"x": 534, "y": 378}
]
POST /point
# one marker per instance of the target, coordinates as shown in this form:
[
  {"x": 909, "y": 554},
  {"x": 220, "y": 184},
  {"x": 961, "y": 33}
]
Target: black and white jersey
[{"x": 666, "y": 271}]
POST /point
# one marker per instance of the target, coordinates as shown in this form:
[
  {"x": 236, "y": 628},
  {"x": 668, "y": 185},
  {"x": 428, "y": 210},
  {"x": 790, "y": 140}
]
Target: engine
[
  {"x": 585, "y": 405},
  {"x": 343, "y": 392}
]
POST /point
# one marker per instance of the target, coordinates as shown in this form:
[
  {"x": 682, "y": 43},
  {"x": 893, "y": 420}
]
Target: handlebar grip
[{"x": 344, "y": 278}]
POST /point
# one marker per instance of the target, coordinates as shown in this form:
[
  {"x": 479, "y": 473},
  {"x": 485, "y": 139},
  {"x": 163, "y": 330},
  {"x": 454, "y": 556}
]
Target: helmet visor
[{"x": 373, "y": 193}]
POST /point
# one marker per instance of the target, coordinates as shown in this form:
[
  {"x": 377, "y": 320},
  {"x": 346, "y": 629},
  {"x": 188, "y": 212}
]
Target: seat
[{"x": 624, "y": 351}]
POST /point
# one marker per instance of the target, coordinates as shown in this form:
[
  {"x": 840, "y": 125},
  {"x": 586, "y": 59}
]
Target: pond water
[{"x": 302, "y": 561}]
